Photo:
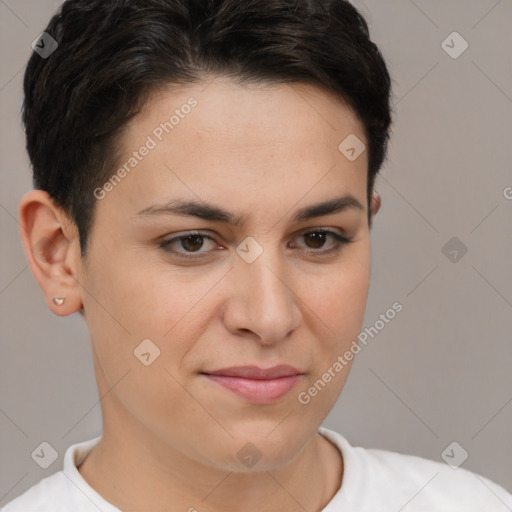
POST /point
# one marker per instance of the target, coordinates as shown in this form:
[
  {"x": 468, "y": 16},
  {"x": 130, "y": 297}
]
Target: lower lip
[{"x": 258, "y": 391}]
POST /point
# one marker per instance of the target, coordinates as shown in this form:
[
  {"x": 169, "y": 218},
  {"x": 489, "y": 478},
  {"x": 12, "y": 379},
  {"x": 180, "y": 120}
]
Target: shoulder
[
  {"x": 397, "y": 480},
  {"x": 427, "y": 483},
  {"x": 65, "y": 490},
  {"x": 50, "y": 492}
]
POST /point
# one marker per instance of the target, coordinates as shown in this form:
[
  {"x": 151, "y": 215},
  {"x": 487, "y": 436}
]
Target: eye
[
  {"x": 317, "y": 239},
  {"x": 189, "y": 245},
  {"x": 191, "y": 242}
]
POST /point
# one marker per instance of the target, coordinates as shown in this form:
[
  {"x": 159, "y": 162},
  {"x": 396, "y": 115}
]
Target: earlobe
[
  {"x": 51, "y": 246},
  {"x": 376, "y": 203}
]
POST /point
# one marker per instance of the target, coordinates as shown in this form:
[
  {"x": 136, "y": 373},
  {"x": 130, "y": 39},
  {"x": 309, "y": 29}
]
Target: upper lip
[{"x": 254, "y": 372}]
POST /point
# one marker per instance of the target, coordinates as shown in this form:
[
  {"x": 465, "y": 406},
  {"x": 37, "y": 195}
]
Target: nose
[{"x": 262, "y": 299}]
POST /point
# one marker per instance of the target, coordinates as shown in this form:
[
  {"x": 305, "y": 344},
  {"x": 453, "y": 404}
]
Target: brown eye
[
  {"x": 192, "y": 242},
  {"x": 185, "y": 245},
  {"x": 316, "y": 239}
]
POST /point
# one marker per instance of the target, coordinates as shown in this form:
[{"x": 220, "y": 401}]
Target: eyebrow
[{"x": 214, "y": 213}]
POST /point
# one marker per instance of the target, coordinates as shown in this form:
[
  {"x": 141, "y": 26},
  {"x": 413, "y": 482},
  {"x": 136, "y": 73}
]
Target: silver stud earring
[{"x": 58, "y": 300}]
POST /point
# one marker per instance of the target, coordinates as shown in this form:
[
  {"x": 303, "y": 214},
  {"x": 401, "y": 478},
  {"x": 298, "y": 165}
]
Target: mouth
[{"x": 257, "y": 385}]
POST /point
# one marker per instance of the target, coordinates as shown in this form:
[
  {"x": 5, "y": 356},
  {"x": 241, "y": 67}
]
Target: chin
[{"x": 257, "y": 449}]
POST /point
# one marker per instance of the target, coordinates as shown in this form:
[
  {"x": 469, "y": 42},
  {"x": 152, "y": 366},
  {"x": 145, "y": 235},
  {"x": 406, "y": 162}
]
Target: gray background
[{"x": 440, "y": 370}]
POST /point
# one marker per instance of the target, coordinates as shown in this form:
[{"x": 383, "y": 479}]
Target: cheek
[
  {"x": 347, "y": 307},
  {"x": 340, "y": 304},
  {"x": 339, "y": 296},
  {"x": 142, "y": 326}
]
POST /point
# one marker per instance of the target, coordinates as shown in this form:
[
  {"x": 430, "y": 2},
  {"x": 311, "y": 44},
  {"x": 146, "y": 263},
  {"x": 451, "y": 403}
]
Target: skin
[{"x": 171, "y": 435}]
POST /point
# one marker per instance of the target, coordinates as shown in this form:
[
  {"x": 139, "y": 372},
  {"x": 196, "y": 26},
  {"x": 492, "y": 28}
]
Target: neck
[{"x": 151, "y": 475}]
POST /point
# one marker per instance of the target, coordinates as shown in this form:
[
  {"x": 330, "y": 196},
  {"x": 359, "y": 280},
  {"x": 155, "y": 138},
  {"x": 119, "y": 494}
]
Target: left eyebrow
[{"x": 214, "y": 213}]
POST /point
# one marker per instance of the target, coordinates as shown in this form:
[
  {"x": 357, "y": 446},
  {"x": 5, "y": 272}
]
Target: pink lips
[{"x": 257, "y": 385}]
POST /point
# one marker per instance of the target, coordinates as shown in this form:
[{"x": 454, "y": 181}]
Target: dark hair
[{"x": 112, "y": 53}]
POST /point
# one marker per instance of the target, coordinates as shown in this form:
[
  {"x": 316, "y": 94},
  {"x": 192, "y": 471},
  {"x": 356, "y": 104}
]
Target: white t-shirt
[{"x": 373, "y": 481}]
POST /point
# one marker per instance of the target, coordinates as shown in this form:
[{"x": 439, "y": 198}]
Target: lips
[
  {"x": 257, "y": 385},
  {"x": 254, "y": 372}
]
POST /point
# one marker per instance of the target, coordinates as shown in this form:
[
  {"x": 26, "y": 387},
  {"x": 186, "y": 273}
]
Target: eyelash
[{"x": 340, "y": 241}]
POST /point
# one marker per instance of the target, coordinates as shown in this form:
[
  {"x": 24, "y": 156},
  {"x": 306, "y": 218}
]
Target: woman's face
[{"x": 270, "y": 290}]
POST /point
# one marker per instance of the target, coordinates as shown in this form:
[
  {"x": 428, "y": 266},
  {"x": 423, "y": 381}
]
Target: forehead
[
  {"x": 249, "y": 116},
  {"x": 219, "y": 140}
]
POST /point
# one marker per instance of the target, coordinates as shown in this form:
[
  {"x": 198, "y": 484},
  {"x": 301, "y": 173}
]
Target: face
[{"x": 274, "y": 288}]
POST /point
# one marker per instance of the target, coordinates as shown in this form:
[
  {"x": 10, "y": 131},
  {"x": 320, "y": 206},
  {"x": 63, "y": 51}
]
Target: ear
[
  {"x": 52, "y": 249},
  {"x": 375, "y": 204}
]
